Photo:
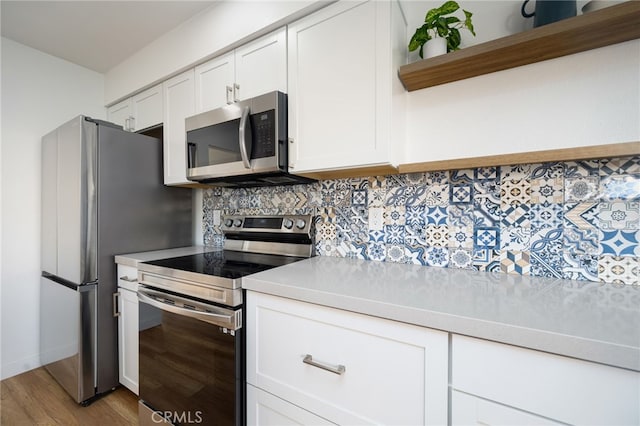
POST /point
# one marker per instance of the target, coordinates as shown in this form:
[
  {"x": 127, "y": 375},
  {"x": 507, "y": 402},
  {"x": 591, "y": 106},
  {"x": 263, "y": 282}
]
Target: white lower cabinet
[
  {"x": 265, "y": 409},
  {"x": 343, "y": 367},
  {"x": 128, "y": 327},
  {"x": 495, "y": 384}
]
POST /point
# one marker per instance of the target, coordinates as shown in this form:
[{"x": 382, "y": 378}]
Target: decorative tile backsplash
[{"x": 578, "y": 220}]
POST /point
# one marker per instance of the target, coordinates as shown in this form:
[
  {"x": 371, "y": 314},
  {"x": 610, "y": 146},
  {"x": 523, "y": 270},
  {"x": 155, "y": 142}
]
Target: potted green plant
[{"x": 439, "y": 24}]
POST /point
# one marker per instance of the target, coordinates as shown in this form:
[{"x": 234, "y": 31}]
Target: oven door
[{"x": 191, "y": 361}]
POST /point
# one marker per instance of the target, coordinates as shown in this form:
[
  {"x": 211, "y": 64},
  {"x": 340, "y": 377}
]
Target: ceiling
[{"x": 94, "y": 34}]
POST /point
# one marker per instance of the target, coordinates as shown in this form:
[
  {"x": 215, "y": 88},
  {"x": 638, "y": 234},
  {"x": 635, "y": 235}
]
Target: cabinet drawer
[
  {"x": 471, "y": 410},
  {"x": 128, "y": 277},
  {"x": 265, "y": 409},
  {"x": 560, "y": 388},
  {"x": 386, "y": 364}
]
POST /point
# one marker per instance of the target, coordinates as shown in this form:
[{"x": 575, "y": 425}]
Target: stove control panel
[{"x": 299, "y": 224}]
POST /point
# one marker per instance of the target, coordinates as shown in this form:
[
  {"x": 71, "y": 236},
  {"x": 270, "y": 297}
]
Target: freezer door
[
  {"x": 76, "y": 201},
  {"x": 68, "y": 335}
]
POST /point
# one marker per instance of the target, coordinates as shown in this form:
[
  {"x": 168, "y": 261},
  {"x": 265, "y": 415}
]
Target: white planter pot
[{"x": 434, "y": 47}]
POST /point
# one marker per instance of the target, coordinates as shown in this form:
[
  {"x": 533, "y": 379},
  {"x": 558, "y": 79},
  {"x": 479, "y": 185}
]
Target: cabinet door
[
  {"x": 264, "y": 409},
  {"x": 121, "y": 113},
  {"x": 178, "y": 104},
  {"x": 261, "y": 66},
  {"x": 332, "y": 88},
  {"x": 147, "y": 108},
  {"x": 470, "y": 410},
  {"x": 347, "y": 368},
  {"x": 214, "y": 83},
  {"x": 128, "y": 339}
]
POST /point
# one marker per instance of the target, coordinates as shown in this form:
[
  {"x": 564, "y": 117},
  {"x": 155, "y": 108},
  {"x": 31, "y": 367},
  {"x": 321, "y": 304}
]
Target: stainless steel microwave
[{"x": 241, "y": 144}]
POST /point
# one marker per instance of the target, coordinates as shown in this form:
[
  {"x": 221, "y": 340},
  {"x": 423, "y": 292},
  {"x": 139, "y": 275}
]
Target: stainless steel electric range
[{"x": 191, "y": 340}]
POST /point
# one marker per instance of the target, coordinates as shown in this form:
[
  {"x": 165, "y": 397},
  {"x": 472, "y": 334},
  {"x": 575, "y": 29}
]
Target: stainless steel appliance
[
  {"x": 241, "y": 144},
  {"x": 102, "y": 194},
  {"x": 191, "y": 364}
]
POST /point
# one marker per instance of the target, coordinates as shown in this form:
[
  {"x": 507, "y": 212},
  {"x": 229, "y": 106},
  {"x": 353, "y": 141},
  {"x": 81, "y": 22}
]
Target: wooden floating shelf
[{"x": 604, "y": 27}]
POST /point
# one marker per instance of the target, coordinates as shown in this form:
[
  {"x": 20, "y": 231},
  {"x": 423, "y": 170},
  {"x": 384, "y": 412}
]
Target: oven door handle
[{"x": 226, "y": 318}]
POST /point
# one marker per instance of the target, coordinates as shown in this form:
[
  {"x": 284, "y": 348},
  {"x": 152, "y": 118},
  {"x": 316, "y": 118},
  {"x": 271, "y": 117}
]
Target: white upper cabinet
[
  {"x": 346, "y": 103},
  {"x": 140, "y": 111},
  {"x": 253, "y": 69},
  {"x": 179, "y": 103}
]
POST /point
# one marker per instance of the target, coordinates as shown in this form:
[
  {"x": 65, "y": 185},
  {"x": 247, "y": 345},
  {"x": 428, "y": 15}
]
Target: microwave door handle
[{"x": 244, "y": 138}]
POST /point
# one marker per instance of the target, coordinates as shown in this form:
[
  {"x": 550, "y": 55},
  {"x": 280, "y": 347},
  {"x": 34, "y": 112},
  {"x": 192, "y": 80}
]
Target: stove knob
[
  {"x": 228, "y": 223},
  {"x": 237, "y": 223},
  {"x": 288, "y": 223},
  {"x": 300, "y": 224}
]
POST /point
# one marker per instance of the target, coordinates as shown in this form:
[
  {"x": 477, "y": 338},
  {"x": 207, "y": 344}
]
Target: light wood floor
[{"x": 35, "y": 398}]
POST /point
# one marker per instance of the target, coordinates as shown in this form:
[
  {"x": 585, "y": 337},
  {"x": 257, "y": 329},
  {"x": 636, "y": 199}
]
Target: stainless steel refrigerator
[{"x": 102, "y": 195}]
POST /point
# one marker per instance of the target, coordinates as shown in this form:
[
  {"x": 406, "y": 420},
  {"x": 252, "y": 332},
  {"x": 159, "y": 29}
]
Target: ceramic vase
[{"x": 434, "y": 47}]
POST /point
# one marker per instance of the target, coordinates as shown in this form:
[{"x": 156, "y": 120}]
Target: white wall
[
  {"x": 39, "y": 92},
  {"x": 208, "y": 34}
]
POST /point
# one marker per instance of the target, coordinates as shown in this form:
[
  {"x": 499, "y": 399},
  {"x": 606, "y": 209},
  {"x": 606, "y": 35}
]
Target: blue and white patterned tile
[
  {"x": 377, "y": 182},
  {"x": 581, "y": 189},
  {"x": 396, "y": 196},
  {"x": 326, "y": 231},
  {"x": 395, "y": 181},
  {"x": 582, "y": 267},
  {"x": 377, "y": 251},
  {"x": 515, "y": 238},
  {"x": 486, "y": 173},
  {"x": 516, "y": 215},
  {"x": 359, "y": 197},
  {"x": 436, "y": 195},
  {"x": 546, "y": 264},
  {"x": 515, "y": 262},
  {"x": 460, "y": 215},
  {"x": 619, "y": 214},
  {"x": 352, "y": 250},
  {"x": 352, "y": 224},
  {"x": 461, "y": 193},
  {"x": 437, "y": 235},
  {"x": 581, "y": 241},
  {"x": 581, "y": 215},
  {"x": 342, "y": 198},
  {"x": 376, "y": 197},
  {"x": 415, "y": 178},
  {"x": 415, "y": 195},
  {"x": 619, "y": 166},
  {"x": 619, "y": 243},
  {"x": 486, "y": 238},
  {"x": 516, "y": 172},
  {"x": 461, "y": 237},
  {"x": 415, "y": 254},
  {"x": 376, "y": 236},
  {"x": 619, "y": 269},
  {"x": 546, "y": 240},
  {"x": 549, "y": 190},
  {"x": 395, "y": 215},
  {"x": 461, "y": 176},
  {"x": 515, "y": 192},
  {"x": 486, "y": 203},
  {"x": 394, "y": 234},
  {"x": 547, "y": 215},
  {"x": 486, "y": 260},
  {"x": 436, "y": 256},
  {"x": 415, "y": 216},
  {"x": 460, "y": 258},
  {"x": 582, "y": 168},
  {"x": 436, "y": 215},
  {"x": 395, "y": 253},
  {"x": 326, "y": 248},
  {"x": 437, "y": 178},
  {"x": 621, "y": 187},
  {"x": 415, "y": 235},
  {"x": 327, "y": 193},
  {"x": 547, "y": 170}
]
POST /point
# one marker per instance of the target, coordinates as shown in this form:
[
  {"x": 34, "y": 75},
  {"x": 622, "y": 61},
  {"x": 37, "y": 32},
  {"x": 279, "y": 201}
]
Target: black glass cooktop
[{"x": 226, "y": 264}]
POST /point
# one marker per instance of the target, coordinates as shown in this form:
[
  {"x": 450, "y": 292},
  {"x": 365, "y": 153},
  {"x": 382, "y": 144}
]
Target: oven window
[
  {"x": 189, "y": 368},
  {"x": 212, "y": 145}
]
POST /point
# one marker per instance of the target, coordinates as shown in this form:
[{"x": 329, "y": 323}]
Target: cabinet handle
[
  {"x": 132, "y": 123},
  {"x": 229, "y": 94},
  {"x": 115, "y": 304},
  {"x": 129, "y": 280},
  {"x": 335, "y": 369},
  {"x": 236, "y": 92},
  {"x": 126, "y": 124}
]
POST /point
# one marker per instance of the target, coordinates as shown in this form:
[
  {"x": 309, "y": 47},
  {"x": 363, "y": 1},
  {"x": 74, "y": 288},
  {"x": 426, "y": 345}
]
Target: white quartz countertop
[
  {"x": 586, "y": 320},
  {"x": 132, "y": 259}
]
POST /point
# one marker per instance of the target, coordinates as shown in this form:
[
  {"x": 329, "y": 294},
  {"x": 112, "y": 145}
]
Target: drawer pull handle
[
  {"x": 335, "y": 369},
  {"x": 130, "y": 280}
]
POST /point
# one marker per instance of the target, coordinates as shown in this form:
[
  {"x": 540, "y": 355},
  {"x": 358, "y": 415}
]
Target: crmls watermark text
[{"x": 185, "y": 417}]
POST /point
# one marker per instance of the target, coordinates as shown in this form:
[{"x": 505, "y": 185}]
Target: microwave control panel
[{"x": 264, "y": 134}]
